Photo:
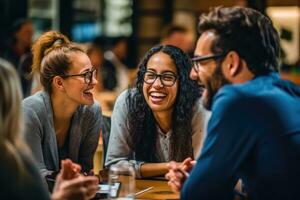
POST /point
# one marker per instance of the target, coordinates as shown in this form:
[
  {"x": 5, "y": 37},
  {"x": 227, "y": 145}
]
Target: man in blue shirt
[{"x": 254, "y": 130}]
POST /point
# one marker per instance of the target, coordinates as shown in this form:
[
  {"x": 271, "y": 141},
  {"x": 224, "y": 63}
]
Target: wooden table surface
[{"x": 161, "y": 190}]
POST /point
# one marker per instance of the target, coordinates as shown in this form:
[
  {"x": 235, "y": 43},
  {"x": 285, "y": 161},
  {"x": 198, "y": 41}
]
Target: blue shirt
[{"x": 253, "y": 134}]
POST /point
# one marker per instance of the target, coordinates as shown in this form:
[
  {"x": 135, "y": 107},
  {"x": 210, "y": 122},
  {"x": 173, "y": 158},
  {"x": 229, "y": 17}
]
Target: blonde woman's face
[{"x": 77, "y": 89}]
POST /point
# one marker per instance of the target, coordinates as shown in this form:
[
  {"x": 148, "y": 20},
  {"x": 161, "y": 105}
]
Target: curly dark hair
[
  {"x": 141, "y": 120},
  {"x": 246, "y": 31}
]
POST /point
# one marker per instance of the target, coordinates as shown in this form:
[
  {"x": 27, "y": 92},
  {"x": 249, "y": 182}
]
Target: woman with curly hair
[{"x": 160, "y": 119}]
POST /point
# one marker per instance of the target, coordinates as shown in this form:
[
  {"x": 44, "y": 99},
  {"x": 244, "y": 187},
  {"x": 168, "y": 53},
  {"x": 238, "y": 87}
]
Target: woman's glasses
[
  {"x": 168, "y": 79},
  {"x": 88, "y": 76}
]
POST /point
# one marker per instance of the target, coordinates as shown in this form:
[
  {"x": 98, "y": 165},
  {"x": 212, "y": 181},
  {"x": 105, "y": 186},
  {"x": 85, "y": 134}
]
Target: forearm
[{"x": 153, "y": 169}]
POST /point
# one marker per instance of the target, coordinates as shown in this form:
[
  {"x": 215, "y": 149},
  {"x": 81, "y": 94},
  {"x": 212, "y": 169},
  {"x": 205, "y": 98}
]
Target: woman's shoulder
[
  {"x": 38, "y": 103},
  {"x": 199, "y": 112},
  {"x": 35, "y": 99},
  {"x": 123, "y": 97},
  {"x": 198, "y": 106}
]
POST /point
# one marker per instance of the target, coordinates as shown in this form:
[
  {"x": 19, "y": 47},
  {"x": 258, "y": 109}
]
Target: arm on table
[{"x": 153, "y": 169}]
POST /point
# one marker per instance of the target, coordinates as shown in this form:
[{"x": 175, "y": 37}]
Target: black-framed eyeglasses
[
  {"x": 198, "y": 59},
  {"x": 168, "y": 79},
  {"x": 88, "y": 76}
]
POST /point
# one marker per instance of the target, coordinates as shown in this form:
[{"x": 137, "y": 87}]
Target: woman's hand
[{"x": 70, "y": 184}]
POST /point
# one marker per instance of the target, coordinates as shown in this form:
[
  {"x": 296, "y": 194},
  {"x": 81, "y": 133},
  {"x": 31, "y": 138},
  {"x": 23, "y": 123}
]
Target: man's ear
[
  {"x": 58, "y": 83},
  {"x": 233, "y": 63}
]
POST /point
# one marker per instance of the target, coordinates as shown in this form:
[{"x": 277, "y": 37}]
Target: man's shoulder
[
  {"x": 262, "y": 87},
  {"x": 258, "y": 87},
  {"x": 232, "y": 92},
  {"x": 232, "y": 97},
  {"x": 260, "y": 90}
]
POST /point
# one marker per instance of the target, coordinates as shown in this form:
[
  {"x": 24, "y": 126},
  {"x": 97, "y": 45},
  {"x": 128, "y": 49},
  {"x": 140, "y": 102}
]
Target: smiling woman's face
[
  {"x": 76, "y": 89},
  {"x": 159, "y": 97}
]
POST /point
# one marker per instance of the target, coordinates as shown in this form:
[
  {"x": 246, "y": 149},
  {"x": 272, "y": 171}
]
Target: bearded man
[{"x": 254, "y": 131}]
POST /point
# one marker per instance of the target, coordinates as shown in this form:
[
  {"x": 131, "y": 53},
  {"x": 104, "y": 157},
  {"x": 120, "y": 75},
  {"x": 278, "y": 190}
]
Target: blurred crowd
[{"x": 108, "y": 55}]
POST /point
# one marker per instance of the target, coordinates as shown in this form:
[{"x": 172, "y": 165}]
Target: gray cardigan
[
  {"x": 40, "y": 134},
  {"x": 119, "y": 150}
]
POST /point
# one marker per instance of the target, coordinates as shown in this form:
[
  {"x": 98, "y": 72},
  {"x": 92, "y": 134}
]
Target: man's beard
[{"x": 212, "y": 85}]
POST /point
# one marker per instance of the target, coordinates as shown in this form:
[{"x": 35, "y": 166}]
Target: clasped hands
[{"x": 178, "y": 173}]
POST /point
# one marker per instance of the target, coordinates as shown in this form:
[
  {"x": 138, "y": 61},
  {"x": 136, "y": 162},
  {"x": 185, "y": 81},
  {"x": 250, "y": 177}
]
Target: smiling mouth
[
  {"x": 158, "y": 94},
  {"x": 88, "y": 93},
  {"x": 157, "y": 97}
]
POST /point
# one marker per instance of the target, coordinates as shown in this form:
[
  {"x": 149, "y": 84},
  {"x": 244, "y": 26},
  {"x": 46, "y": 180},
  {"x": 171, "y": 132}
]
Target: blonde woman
[
  {"x": 19, "y": 177},
  {"x": 62, "y": 120}
]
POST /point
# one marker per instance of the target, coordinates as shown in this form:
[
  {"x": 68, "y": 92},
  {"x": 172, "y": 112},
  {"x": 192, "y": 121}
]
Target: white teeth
[{"x": 157, "y": 94}]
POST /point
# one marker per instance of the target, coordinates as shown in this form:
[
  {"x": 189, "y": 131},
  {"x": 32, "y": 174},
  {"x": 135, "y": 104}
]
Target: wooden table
[{"x": 161, "y": 190}]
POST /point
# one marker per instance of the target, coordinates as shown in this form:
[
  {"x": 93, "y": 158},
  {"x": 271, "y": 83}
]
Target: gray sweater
[
  {"x": 119, "y": 149},
  {"x": 40, "y": 134}
]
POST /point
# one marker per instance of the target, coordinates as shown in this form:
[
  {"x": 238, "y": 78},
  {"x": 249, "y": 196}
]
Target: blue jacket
[{"x": 253, "y": 134}]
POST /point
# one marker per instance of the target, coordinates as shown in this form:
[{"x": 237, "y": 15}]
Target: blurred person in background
[
  {"x": 95, "y": 54},
  {"x": 254, "y": 131},
  {"x": 115, "y": 73},
  {"x": 22, "y": 33},
  {"x": 62, "y": 120},
  {"x": 18, "y": 52},
  {"x": 179, "y": 36},
  {"x": 19, "y": 176},
  {"x": 161, "y": 118}
]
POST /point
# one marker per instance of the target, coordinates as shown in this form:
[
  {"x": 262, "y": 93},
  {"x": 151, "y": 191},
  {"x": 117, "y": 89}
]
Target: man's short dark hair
[{"x": 247, "y": 32}]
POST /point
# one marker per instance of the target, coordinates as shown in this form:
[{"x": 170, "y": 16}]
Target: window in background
[
  {"x": 118, "y": 18},
  {"x": 286, "y": 20},
  {"x": 87, "y": 20},
  {"x": 44, "y": 15}
]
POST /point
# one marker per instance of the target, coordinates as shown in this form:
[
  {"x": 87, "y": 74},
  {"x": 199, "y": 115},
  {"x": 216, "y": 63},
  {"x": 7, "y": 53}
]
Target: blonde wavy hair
[{"x": 11, "y": 120}]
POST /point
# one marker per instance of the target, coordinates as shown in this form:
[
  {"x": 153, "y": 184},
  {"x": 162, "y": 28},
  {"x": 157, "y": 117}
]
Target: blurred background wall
[{"x": 143, "y": 22}]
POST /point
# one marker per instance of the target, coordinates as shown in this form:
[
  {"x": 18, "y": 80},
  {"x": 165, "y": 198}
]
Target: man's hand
[
  {"x": 70, "y": 184},
  {"x": 178, "y": 173}
]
